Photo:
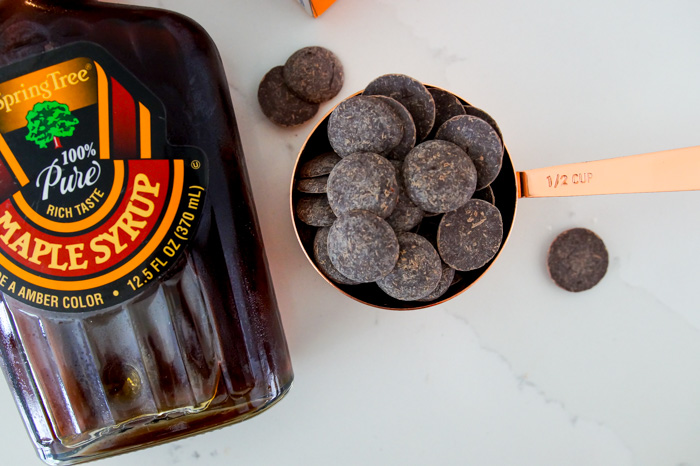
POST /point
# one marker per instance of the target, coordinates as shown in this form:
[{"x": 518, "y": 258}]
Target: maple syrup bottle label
[{"x": 95, "y": 205}]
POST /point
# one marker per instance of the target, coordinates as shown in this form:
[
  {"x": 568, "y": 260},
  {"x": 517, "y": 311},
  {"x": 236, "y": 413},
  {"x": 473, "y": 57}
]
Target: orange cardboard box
[{"x": 316, "y": 7}]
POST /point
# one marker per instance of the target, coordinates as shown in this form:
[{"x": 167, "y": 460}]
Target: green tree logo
[{"x": 48, "y": 121}]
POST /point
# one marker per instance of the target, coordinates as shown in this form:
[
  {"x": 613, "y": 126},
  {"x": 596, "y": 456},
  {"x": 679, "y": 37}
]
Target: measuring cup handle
[{"x": 669, "y": 170}]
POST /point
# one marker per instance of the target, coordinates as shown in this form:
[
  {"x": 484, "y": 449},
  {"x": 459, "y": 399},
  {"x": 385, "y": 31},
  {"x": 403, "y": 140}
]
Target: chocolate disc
[
  {"x": 324, "y": 261},
  {"x": 319, "y": 165},
  {"x": 448, "y": 275},
  {"x": 485, "y": 194},
  {"x": 406, "y": 214},
  {"x": 398, "y": 166},
  {"x": 577, "y": 259},
  {"x": 439, "y": 176},
  {"x": 364, "y": 124},
  {"x": 412, "y": 94},
  {"x": 363, "y": 181},
  {"x": 362, "y": 246},
  {"x": 479, "y": 113},
  {"x": 417, "y": 271},
  {"x": 314, "y": 73},
  {"x": 447, "y": 105},
  {"x": 409, "y": 129},
  {"x": 480, "y": 141},
  {"x": 314, "y": 210},
  {"x": 316, "y": 185},
  {"x": 280, "y": 104},
  {"x": 470, "y": 236}
]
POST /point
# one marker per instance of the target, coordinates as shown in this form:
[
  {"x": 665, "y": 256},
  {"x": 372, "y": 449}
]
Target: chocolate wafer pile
[
  {"x": 290, "y": 95},
  {"x": 403, "y": 199}
]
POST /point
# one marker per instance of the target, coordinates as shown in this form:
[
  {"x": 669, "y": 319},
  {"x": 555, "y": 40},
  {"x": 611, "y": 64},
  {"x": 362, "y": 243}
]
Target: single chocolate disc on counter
[
  {"x": 363, "y": 181},
  {"x": 314, "y": 210},
  {"x": 280, "y": 104},
  {"x": 478, "y": 139},
  {"x": 319, "y": 165},
  {"x": 439, "y": 176},
  {"x": 314, "y": 73},
  {"x": 364, "y": 124},
  {"x": 470, "y": 236},
  {"x": 362, "y": 246},
  {"x": 417, "y": 272},
  {"x": 412, "y": 94},
  {"x": 577, "y": 259}
]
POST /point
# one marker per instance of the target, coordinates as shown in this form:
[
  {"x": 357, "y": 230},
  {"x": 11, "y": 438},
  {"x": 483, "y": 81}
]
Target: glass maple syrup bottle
[{"x": 136, "y": 301}]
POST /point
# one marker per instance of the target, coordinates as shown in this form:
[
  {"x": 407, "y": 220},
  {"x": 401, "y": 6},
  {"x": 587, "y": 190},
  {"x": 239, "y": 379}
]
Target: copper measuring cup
[{"x": 670, "y": 170}]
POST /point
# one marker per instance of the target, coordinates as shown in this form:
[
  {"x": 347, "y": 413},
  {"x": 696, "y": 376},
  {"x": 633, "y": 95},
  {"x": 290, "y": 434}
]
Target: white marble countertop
[{"x": 515, "y": 370}]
